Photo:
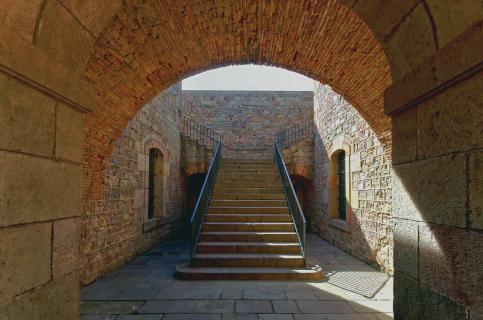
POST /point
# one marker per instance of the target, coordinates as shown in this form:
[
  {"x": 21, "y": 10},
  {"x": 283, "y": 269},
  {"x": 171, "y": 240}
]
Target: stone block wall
[
  {"x": 115, "y": 229},
  {"x": 40, "y": 199},
  {"x": 437, "y": 190},
  {"x": 368, "y": 231},
  {"x": 248, "y": 120}
]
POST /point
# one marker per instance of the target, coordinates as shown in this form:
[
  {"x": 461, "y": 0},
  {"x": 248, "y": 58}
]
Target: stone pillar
[
  {"x": 437, "y": 115},
  {"x": 42, "y": 108}
]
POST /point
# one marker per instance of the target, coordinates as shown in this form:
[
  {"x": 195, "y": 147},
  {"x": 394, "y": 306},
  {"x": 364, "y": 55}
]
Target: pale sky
[{"x": 249, "y": 77}]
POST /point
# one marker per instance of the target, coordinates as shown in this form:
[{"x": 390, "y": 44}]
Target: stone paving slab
[
  {"x": 145, "y": 289},
  {"x": 253, "y": 306}
]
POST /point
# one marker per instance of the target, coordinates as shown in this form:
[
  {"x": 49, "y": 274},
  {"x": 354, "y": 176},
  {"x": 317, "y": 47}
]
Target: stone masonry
[
  {"x": 368, "y": 232},
  {"x": 115, "y": 228},
  {"x": 248, "y": 120},
  {"x": 62, "y": 59}
]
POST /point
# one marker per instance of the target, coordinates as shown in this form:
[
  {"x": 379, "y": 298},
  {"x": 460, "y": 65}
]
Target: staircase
[{"x": 247, "y": 232}]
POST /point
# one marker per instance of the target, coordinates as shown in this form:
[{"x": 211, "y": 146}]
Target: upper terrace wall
[{"x": 248, "y": 120}]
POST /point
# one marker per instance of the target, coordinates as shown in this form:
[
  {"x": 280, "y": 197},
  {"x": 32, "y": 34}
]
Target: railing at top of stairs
[
  {"x": 291, "y": 135},
  {"x": 204, "y": 197},
  {"x": 291, "y": 197},
  {"x": 204, "y": 135}
]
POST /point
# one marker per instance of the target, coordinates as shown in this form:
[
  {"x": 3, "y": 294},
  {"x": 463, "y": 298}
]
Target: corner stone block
[
  {"x": 452, "y": 18},
  {"x": 475, "y": 175},
  {"x": 458, "y": 255},
  {"x": 58, "y": 299},
  {"x": 412, "y": 301},
  {"x": 27, "y": 118},
  {"x": 406, "y": 247},
  {"x": 406, "y": 50},
  {"x": 69, "y": 133},
  {"x": 404, "y": 136},
  {"x": 451, "y": 121},
  {"x": 36, "y": 189},
  {"x": 65, "y": 254},
  {"x": 431, "y": 190},
  {"x": 24, "y": 259}
]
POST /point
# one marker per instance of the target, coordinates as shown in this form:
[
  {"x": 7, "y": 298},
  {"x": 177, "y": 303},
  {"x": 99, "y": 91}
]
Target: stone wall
[
  {"x": 367, "y": 233},
  {"x": 115, "y": 229},
  {"x": 248, "y": 120}
]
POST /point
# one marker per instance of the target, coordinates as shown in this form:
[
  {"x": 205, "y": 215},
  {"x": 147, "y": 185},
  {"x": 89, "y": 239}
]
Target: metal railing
[
  {"x": 196, "y": 131},
  {"x": 294, "y": 134},
  {"x": 291, "y": 197},
  {"x": 204, "y": 197}
]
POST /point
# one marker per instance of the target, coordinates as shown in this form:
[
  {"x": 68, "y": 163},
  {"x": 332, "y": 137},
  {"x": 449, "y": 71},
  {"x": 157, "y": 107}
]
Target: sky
[{"x": 249, "y": 77}]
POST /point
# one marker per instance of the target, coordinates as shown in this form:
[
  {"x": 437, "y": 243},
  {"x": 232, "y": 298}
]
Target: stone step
[
  {"x": 249, "y": 247},
  {"x": 247, "y": 196},
  {"x": 186, "y": 272},
  {"x": 239, "y": 210},
  {"x": 217, "y": 189},
  {"x": 247, "y": 161},
  {"x": 222, "y": 175},
  {"x": 248, "y": 184},
  {"x": 249, "y": 236},
  {"x": 248, "y": 217},
  {"x": 247, "y": 166},
  {"x": 248, "y": 226},
  {"x": 247, "y": 171},
  {"x": 248, "y": 260},
  {"x": 248, "y": 203},
  {"x": 254, "y": 180}
]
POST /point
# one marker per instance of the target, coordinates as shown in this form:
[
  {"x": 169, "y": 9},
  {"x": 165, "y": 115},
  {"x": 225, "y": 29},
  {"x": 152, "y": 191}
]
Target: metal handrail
[
  {"x": 294, "y": 134},
  {"x": 196, "y": 131},
  {"x": 204, "y": 197},
  {"x": 291, "y": 197}
]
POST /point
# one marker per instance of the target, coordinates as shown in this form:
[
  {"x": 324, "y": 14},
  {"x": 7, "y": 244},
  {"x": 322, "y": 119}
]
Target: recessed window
[
  {"x": 155, "y": 184},
  {"x": 341, "y": 185}
]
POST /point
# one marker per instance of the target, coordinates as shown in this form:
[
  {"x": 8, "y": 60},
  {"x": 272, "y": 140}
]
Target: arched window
[
  {"x": 341, "y": 185},
  {"x": 155, "y": 184}
]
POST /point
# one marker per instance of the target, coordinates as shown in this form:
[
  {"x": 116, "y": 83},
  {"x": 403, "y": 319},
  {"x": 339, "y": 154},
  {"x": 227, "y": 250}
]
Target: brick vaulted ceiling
[
  {"x": 148, "y": 45},
  {"x": 130, "y": 50}
]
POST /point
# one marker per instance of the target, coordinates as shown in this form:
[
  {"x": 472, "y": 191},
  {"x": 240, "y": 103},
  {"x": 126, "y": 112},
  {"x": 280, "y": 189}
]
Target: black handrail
[
  {"x": 294, "y": 134},
  {"x": 291, "y": 197},
  {"x": 196, "y": 131},
  {"x": 203, "y": 200}
]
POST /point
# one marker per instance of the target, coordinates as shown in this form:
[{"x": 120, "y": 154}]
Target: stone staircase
[{"x": 248, "y": 233}]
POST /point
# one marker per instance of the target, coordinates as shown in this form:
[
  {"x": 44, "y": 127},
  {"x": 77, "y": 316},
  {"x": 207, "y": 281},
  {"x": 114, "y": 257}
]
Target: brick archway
[{"x": 421, "y": 58}]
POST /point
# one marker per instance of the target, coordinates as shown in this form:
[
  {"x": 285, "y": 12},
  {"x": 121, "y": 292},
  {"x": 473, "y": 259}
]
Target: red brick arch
[{"x": 148, "y": 45}]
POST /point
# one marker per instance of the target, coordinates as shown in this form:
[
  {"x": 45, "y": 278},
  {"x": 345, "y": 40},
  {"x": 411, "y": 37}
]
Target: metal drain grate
[{"x": 366, "y": 284}]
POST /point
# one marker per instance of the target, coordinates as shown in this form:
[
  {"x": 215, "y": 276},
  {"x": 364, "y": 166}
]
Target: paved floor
[{"x": 144, "y": 289}]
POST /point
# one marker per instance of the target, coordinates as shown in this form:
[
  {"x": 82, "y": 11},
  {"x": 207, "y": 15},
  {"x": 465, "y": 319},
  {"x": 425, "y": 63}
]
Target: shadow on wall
[
  {"x": 193, "y": 185},
  {"x": 304, "y": 190}
]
